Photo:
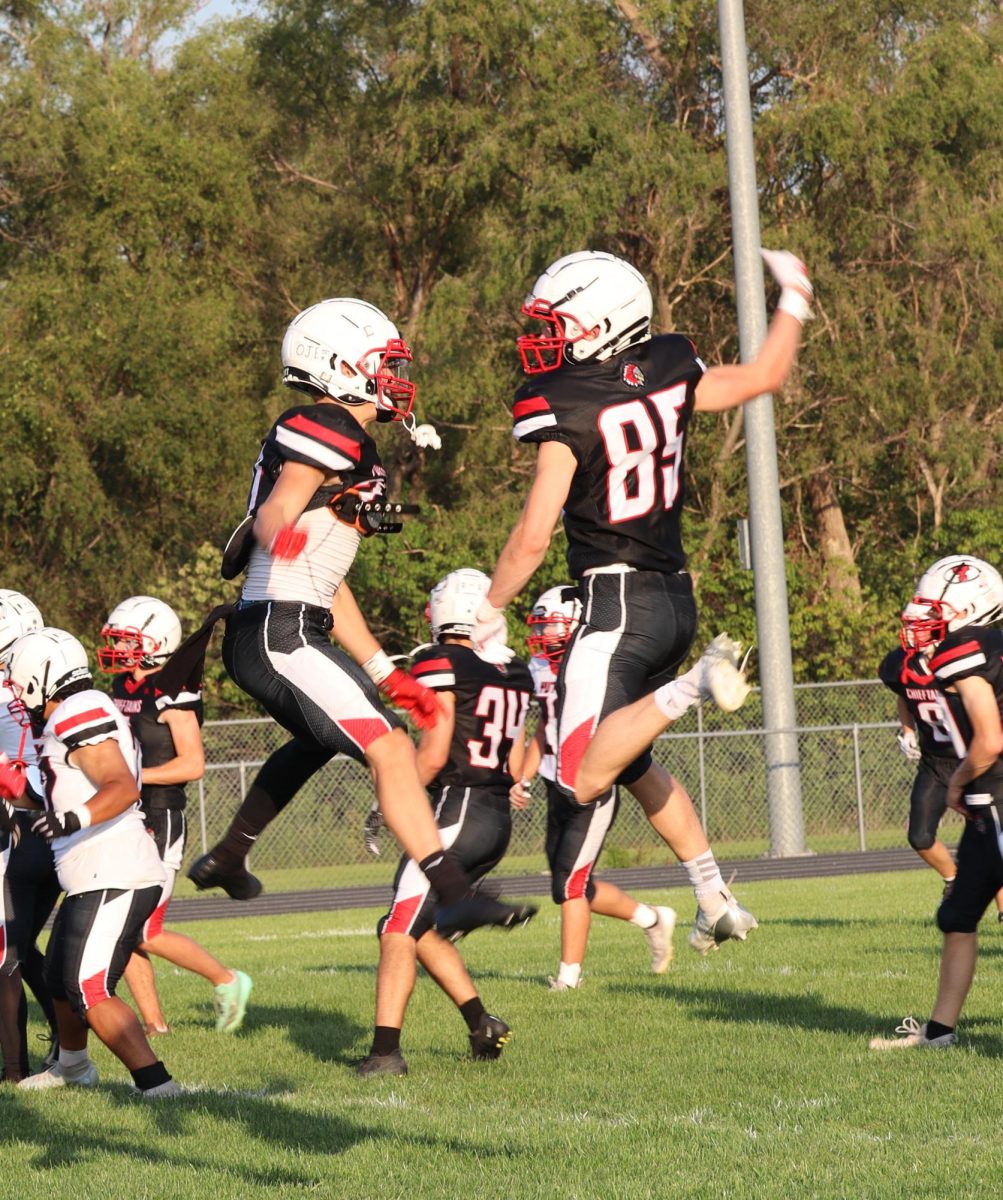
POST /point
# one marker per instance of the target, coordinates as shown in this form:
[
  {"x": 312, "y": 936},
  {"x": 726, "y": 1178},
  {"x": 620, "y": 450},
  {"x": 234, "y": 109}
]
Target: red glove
[
  {"x": 288, "y": 543},
  {"x": 12, "y": 781},
  {"x": 407, "y": 693}
]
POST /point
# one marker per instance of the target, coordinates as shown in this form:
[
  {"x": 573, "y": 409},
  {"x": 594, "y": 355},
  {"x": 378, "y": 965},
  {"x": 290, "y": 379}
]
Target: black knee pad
[
  {"x": 922, "y": 841},
  {"x": 950, "y": 920},
  {"x": 636, "y": 769}
]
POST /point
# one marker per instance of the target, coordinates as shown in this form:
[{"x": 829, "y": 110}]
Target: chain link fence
[{"x": 854, "y": 783}]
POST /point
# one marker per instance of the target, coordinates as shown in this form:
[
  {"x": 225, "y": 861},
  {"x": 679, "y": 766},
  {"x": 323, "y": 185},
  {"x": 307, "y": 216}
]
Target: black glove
[
  {"x": 56, "y": 825},
  {"x": 8, "y": 821}
]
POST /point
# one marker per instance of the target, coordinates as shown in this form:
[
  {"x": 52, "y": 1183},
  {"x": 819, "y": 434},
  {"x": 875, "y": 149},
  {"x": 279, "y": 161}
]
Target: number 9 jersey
[{"x": 625, "y": 420}]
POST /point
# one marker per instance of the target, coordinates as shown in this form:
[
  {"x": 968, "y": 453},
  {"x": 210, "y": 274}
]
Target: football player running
[
  {"x": 925, "y": 739},
  {"x": 107, "y": 864},
  {"x": 464, "y": 762},
  {"x": 608, "y": 407},
  {"x": 141, "y": 633},
  {"x": 313, "y": 491},
  {"x": 946, "y": 621},
  {"x": 29, "y": 883},
  {"x": 575, "y": 833}
]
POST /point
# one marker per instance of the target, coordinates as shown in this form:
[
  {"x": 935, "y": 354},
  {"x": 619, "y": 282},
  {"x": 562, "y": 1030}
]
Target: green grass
[{"x": 745, "y": 1074}]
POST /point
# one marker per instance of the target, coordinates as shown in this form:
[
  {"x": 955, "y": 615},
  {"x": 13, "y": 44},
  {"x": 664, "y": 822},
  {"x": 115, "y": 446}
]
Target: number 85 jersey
[
  {"x": 625, "y": 420},
  {"x": 490, "y": 704}
]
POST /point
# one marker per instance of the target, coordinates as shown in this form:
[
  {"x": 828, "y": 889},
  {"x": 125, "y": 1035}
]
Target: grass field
[{"x": 746, "y": 1074}]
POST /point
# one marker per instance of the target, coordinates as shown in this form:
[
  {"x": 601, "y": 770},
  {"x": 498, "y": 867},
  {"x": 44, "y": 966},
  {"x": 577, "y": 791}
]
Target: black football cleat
[
  {"x": 382, "y": 1064},
  {"x": 475, "y": 910},
  {"x": 238, "y": 883},
  {"x": 490, "y": 1037}
]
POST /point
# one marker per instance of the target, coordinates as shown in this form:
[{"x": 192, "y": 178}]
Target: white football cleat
[
  {"x": 162, "y": 1090},
  {"x": 559, "y": 985},
  {"x": 660, "y": 939},
  {"x": 723, "y": 673},
  {"x": 913, "y": 1037},
  {"x": 726, "y": 921}
]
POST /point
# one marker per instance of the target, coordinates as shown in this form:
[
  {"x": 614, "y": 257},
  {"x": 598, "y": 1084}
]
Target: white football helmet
[
  {"x": 454, "y": 601},
  {"x": 140, "y": 632},
  {"x": 18, "y": 616},
  {"x": 593, "y": 304},
  {"x": 553, "y": 620},
  {"x": 956, "y": 591},
  {"x": 350, "y": 350},
  {"x": 41, "y": 665}
]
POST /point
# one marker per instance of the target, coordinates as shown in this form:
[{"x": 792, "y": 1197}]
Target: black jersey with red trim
[
  {"x": 322, "y": 435},
  {"x": 490, "y": 704},
  {"x": 908, "y": 675},
  {"x": 975, "y": 652},
  {"x": 141, "y": 702},
  {"x": 625, "y": 420}
]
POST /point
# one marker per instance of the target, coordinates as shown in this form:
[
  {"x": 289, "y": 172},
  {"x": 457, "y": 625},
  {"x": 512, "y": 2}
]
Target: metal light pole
[{"x": 783, "y": 769}]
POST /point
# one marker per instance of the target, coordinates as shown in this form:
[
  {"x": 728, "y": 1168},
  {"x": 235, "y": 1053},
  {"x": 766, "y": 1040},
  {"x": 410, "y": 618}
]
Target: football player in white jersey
[
  {"x": 608, "y": 406},
  {"x": 107, "y": 863},
  {"x": 29, "y": 884},
  {"x": 575, "y": 833},
  {"x": 318, "y": 486}
]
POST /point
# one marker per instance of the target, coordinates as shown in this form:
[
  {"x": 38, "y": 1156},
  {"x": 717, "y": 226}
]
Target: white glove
[
  {"x": 796, "y": 291},
  {"x": 490, "y": 635},
  {"x": 425, "y": 437},
  {"x": 906, "y": 739}
]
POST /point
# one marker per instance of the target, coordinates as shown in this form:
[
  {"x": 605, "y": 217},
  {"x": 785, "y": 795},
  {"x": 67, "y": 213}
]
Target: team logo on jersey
[{"x": 633, "y": 376}]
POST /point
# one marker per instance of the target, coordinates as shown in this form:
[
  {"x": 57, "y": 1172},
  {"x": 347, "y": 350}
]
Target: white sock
[
  {"x": 644, "y": 917},
  {"x": 569, "y": 973},
  {"x": 73, "y": 1060},
  {"x": 705, "y": 877},
  {"x": 674, "y": 699}
]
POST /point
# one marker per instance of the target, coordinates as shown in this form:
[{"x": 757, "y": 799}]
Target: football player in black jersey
[
  {"x": 924, "y": 738},
  {"x": 609, "y": 407},
  {"x": 946, "y": 622},
  {"x": 464, "y": 762},
  {"x": 141, "y": 633},
  {"x": 313, "y": 491},
  {"x": 575, "y": 832}
]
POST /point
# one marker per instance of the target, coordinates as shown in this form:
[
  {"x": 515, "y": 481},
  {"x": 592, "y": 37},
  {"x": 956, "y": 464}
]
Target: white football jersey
[
  {"x": 112, "y": 854},
  {"x": 11, "y": 734},
  {"x": 545, "y": 691}
]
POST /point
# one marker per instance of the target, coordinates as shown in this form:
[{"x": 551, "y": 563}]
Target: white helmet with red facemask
[
  {"x": 955, "y": 592},
  {"x": 593, "y": 304},
  {"x": 141, "y": 632},
  {"x": 453, "y": 602},
  {"x": 350, "y": 350},
  {"x": 553, "y": 620}
]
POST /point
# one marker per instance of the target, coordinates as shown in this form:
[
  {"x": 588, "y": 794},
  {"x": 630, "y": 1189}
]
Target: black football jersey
[
  {"x": 323, "y": 436},
  {"x": 909, "y": 675},
  {"x": 963, "y": 654},
  {"x": 141, "y": 702},
  {"x": 626, "y": 422},
  {"x": 491, "y": 705}
]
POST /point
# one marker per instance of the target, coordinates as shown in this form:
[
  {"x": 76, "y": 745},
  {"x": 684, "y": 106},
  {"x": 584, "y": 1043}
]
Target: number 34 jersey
[
  {"x": 625, "y": 420},
  {"x": 491, "y": 705}
]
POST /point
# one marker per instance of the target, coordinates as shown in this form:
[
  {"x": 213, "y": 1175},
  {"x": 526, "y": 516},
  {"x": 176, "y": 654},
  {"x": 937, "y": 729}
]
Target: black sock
[
  {"x": 472, "y": 1012},
  {"x": 386, "y": 1040},
  {"x": 934, "y": 1029},
  {"x": 33, "y": 974},
  {"x": 448, "y": 879},
  {"x": 150, "y": 1077}
]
